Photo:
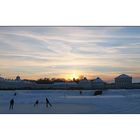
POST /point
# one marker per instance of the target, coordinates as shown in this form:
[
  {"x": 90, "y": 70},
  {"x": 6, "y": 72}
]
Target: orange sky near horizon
[{"x": 68, "y": 52}]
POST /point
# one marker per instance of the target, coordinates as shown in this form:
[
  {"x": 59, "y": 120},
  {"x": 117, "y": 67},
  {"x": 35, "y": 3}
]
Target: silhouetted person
[
  {"x": 36, "y": 103},
  {"x": 11, "y": 104},
  {"x": 48, "y": 103},
  {"x": 80, "y": 92},
  {"x": 15, "y": 94}
]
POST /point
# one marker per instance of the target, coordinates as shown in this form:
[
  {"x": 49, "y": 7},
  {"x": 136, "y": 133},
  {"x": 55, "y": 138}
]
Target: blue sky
[{"x": 35, "y": 52}]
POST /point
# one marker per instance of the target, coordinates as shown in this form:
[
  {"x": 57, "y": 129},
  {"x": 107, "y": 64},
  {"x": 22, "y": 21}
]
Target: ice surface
[{"x": 70, "y": 101}]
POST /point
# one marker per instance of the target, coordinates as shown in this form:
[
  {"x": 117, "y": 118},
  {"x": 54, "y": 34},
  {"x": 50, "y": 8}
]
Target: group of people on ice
[
  {"x": 47, "y": 103},
  {"x": 11, "y": 106},
  {"x": 12, "y": 102}
]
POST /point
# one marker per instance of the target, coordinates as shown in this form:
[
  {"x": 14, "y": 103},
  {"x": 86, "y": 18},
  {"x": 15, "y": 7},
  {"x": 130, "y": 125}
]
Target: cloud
[{"x": 59, "y": 50}]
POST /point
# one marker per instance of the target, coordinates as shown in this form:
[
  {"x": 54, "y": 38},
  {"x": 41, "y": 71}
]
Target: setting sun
[{"x": 72, "y": 75}]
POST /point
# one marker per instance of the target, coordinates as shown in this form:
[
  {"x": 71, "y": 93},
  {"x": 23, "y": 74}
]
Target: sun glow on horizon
[
  {"x": 73, "y": 75},
  {"x": 69, "y": 52}
]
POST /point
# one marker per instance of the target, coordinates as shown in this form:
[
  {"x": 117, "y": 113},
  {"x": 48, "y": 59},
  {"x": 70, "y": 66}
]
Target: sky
[{"x": 68, "y": 52}]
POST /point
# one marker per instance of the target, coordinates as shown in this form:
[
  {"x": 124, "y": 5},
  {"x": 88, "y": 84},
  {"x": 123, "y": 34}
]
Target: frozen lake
[{"x": 70, "y": 101}]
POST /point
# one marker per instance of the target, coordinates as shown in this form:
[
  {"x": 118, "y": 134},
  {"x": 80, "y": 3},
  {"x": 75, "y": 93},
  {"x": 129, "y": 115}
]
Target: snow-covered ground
[{"x": 70, "y": 101}]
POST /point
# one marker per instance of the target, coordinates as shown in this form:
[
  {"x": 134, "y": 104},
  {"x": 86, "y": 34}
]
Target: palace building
[{"x": 123, "y": 81}]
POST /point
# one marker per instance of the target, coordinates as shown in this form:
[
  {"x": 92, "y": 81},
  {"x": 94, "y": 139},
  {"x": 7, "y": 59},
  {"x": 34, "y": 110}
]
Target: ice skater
[
  {"x": 11, "y": 104},
  {"x": 15, "y": 94},
  {"x": 36, "y": 103},
  {"x": 48, "y": 103},
  {"x": 80, "y": 92}
]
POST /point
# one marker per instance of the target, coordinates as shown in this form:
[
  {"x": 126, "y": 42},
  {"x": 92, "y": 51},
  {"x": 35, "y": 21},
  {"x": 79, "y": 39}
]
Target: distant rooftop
[
  {"x": 97, "y": 80},
  {"x": 123, "y": 76}
]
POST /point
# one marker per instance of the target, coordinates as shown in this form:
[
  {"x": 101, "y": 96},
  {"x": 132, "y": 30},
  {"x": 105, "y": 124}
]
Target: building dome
[
  {"x": 123, "y": 76},
  {"x": 98, "y": 83},
  {"x": 84, "y": 80},
  {"x": 18, "y": 78},
  {"x": 98, "y": 80},
  {"x": 123, "y": 81}
]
